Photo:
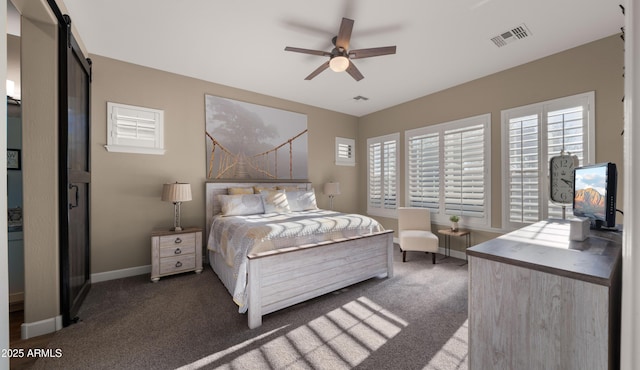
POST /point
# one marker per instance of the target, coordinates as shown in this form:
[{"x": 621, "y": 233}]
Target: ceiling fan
[{"x": 340, "y": 57}]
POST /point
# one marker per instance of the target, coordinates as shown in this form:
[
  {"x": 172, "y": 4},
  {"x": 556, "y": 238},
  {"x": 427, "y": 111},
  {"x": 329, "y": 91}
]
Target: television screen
[{"x": 594, "y": 194}]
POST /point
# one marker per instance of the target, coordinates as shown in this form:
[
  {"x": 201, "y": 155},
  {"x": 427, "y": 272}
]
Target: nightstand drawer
[
  {"x": 180, "y": 240},
  {"x": 177, "y": 250},
  {"x": 170, "y": 265}
]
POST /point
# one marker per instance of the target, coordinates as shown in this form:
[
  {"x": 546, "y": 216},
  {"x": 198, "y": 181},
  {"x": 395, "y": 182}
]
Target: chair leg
[
  {"x": 433, "y": 258},
  {"x": 404, "y": 256}
]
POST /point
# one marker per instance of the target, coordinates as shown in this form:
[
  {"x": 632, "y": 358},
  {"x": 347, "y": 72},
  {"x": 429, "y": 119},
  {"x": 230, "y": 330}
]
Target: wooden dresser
[
  {"x": 173, "y": 252},
  {"x": 540, "y": 301}
]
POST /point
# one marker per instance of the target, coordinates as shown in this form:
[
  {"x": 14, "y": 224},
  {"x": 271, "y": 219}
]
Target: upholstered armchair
[{"x": 414, "y": 231}]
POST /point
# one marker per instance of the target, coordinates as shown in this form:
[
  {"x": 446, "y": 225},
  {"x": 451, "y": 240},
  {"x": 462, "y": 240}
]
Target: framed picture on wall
[
  {"x": 251, "y": 141},
  {"x": 13, "y": 159}
]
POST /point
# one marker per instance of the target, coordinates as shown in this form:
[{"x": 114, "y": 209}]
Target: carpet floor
[{"x": 415, "y": 320}]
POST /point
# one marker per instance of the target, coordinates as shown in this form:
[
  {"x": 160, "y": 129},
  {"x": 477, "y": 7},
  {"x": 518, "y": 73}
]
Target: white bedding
[{"x": 233, "y": 238}]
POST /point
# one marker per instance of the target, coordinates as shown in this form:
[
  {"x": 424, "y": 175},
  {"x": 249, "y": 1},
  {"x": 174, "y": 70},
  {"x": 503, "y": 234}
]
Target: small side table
[
  {"x": 173, "y": 252},
  {"x": 448, "y": 233}
]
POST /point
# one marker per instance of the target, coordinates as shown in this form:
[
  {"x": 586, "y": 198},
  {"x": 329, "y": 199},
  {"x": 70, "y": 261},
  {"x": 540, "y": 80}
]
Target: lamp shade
[
  {"x": 332, "y": 188},
  {"x": 339, "y": 63},
  {"x": 176, "y": 192}
]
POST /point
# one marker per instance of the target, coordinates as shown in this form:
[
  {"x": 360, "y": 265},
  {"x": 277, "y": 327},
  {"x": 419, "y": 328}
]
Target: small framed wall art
[{"x": 13, "y": 159}]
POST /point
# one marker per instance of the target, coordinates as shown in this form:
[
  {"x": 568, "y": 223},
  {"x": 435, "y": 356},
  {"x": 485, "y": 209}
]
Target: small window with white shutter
[
  {"x": 132, "y": 129},
  {"x": 345, "y": 152}
]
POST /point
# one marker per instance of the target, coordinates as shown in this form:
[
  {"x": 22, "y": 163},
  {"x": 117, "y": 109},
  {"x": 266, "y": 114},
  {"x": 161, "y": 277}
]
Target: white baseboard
[
  {"x": 119, "y": 274},
  {"x": 42, "y": 327}
]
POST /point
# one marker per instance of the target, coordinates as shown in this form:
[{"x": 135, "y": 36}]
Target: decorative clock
[{"x": 561, "y": 169}]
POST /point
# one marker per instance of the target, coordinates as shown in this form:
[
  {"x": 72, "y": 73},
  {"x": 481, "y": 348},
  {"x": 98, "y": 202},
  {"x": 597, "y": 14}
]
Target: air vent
[
  {"x": 512, "y": 35},
  {"x": 360, "y": 97}
]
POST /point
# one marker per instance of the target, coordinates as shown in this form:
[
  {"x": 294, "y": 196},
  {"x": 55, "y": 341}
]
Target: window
[
  {"x": 531, "y": 135},
  {"x": 134, "y": 129},
  {"x": 345, "y": 152},
  {"x": 447, "y": 169},
  {"x": 382, "y": 159}
]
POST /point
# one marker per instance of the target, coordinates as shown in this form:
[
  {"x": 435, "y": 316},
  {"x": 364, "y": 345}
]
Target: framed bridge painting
[{"x": 253, "y": 142}]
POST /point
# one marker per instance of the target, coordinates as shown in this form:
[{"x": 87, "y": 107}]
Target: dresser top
[{"x": 545, "y": 246}]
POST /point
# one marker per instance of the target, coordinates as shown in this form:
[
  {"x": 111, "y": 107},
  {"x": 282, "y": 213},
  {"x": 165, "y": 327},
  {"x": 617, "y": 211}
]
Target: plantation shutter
[
  {"x": 565, "y": 130},
  {"x": 345, "y": 152},
  {"x": 390, "y": 170},
  {"x": 424, "y": 171},
  {"x": 464, "y": 166},
  {"x": 134, "y": 129},
  {"x": 523, "y": 175},
  {"x": 383, "y": 175},
  {"x": 375, "y": 175}
]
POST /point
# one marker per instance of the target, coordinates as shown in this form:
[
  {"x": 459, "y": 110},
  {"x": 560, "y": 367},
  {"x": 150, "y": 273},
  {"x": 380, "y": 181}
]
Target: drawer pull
[
  {"x": 178, "y": 241},
  {"x": 177, "y": 251},
  {"x": 178, "y": 264}
]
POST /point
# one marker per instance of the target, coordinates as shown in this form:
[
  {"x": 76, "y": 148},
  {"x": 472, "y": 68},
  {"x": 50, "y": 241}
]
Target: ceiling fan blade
[
  {"x": 313, "y": 74},
  {"x": 373, "y": 52},
  {"x": 354, "y": 72},
  {"x": 344, "y": 34},
  {"x": 308, "y": 51}
]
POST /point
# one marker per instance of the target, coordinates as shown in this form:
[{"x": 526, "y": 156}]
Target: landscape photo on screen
[{"x": 590, "y": 193}]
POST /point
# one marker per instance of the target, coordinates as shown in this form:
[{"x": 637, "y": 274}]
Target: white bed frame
[{"x": 282, "y": 278}]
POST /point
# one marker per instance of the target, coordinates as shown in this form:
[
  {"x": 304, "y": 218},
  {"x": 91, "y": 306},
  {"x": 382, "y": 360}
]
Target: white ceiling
[{"x": 440, "y": 43}]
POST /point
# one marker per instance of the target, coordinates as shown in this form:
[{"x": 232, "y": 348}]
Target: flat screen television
[{"x": 594, "y": 194}]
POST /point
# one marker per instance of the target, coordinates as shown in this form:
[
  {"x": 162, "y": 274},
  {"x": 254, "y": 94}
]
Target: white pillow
[
  {"x": 302, "y": 200},
  {"x": 275, "y": 201},
  {"x": 241, "y": 204}
]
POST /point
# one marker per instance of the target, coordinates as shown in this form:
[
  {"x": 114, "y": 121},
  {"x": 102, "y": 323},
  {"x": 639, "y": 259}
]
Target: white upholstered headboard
[{"x": 214, "y": 188}]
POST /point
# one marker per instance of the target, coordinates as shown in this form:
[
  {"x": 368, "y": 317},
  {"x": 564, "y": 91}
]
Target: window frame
[
  {"x": 382, "y": 210},
  {"x": 128, "y": 145},
  {"x": 441, "y": 214},
  {"x": 541, "y": 110}
]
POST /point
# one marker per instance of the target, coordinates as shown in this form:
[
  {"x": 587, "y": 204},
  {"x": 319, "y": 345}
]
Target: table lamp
[
  {"x": 176, "y": 193},
  {"x": 332, "y": 189}
]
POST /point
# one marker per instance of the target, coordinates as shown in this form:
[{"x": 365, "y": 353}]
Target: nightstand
[{"x": 174, "y": 252}]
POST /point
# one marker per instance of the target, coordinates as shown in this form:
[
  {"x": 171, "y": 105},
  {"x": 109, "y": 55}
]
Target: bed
[{"x": 280, "y": 273}]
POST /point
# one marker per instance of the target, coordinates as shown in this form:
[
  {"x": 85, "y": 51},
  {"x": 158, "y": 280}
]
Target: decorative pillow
[
  {"x": 236, "y": 191},
  {"x": 275, "y": 201},
  {"x": 240, "y": 204},
  {"x": 258, "y": 189},
  {"x": 302, "y": 200}
]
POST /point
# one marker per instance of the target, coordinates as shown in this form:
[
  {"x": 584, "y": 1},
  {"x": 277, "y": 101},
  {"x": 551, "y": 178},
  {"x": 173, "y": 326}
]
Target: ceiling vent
[{"x": 512, "y": 35}]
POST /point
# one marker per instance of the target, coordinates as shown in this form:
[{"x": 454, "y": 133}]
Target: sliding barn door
[{"x": 74, "y": 174}]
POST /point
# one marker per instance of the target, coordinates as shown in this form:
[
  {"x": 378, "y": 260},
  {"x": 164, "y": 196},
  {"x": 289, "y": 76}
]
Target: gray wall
[
  {"x": 596, "y": 66},
  {"x": 126, "y": 188}
]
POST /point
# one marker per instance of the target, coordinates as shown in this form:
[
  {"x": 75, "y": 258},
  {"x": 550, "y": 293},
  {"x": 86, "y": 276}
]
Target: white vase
[{"x": 454, "y": 226}]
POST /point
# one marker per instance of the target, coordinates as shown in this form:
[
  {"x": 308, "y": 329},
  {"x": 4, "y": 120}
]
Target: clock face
[{"x": 561, "y": 178}]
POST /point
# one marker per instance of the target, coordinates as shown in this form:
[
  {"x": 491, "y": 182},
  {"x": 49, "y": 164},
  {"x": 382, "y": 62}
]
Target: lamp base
[{"x": 176, "y": 217}]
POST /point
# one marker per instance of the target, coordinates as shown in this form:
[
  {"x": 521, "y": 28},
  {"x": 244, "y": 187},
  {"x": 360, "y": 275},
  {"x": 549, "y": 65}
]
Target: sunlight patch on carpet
[
  {"x": 452, "y": 352},
  {"x": 340, "y": 339}
]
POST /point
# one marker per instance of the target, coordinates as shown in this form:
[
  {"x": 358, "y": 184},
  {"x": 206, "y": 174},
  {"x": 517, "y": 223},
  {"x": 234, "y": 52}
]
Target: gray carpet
[{"x": 415, "y": 320}]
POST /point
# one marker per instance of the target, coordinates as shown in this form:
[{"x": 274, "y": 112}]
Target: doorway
[{"x": 14, "y": 171}]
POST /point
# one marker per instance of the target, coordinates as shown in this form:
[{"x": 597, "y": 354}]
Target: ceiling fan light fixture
[{"x": 339, "y": 63}]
